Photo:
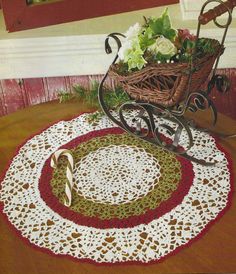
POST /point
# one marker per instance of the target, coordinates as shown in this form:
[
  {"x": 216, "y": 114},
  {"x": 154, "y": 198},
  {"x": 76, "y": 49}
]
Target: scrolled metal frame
[{"x": 148, "y": 113}]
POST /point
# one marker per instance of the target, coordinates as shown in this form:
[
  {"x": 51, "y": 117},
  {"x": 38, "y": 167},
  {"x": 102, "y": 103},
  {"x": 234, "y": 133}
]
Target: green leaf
[
  {"x": 166, "y": 20},
  {"x": 136, "y": 62},
  {"x": 170, "y": 34},
  {"x": 146, "y": 39},
  {"x": 162, "y": 58},
  {"x": 156, "y": 26},
  {"x": 205, "y": 45},
  {"x": 162, "y": 26}
]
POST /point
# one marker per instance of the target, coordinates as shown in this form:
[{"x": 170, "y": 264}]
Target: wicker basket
[{"x": 167, "y": 84}]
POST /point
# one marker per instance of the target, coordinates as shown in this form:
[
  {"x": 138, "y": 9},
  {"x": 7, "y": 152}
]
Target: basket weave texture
[{"x": 166, "y": 84}]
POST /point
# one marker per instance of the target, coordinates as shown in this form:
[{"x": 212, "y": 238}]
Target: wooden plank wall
[
  {"x": 225, "y": 103},
  {"x": 19, "y": 93}
]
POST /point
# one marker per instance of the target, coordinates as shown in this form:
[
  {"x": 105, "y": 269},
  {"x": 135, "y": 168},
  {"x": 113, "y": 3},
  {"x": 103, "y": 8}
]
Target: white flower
[
  {"x": 133, "y": 31},
  {"x": 130, "y": 41},
  {"x": 126, "y": 47},
  {"x": 163, "y": 46},
  {"x": 130, "y": 51}
]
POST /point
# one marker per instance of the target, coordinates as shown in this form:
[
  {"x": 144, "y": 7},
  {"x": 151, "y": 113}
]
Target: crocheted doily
[{"x": 131, "y": 201}]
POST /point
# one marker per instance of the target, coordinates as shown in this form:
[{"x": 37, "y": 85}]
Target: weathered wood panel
[
  {"x": 35, "y": 91},
  {"x": 225, "y": 103},
  {"x": 2, "y": 107},
  {"x": 13, "y": 95},
  {"x": 53, "y": 86}
]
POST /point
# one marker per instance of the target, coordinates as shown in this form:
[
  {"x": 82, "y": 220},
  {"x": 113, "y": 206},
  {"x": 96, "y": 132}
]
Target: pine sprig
[
  {"x": 64, "y": 96},
  {"x": 89, "y": 96},
  {"x": 113, "y": 98}
]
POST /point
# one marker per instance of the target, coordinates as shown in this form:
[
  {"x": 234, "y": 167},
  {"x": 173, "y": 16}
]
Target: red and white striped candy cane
[{"x": 69, "y": 172}]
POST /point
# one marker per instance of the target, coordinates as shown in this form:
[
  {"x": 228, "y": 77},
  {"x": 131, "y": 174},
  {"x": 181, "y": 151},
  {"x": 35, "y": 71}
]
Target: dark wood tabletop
[{"x": 215, "y": 252}]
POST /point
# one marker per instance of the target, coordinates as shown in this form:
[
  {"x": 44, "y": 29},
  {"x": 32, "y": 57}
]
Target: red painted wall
[
  {"x": 19, "y": 93},
  {"x": 20, "y": 16}
]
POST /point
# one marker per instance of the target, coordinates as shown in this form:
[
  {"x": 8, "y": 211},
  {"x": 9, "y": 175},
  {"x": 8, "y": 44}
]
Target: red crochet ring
[{"x": 53, "y": 202}]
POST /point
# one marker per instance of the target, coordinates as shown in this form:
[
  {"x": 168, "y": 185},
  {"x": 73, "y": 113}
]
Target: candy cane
[{"x": 69, "y": 172}]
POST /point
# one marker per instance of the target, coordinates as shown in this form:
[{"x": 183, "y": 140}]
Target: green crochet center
[{"x": 170, "y": 170}]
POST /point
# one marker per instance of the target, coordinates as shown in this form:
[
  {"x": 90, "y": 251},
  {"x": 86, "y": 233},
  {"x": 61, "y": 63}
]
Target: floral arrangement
[{"x": 157, "y": 42}]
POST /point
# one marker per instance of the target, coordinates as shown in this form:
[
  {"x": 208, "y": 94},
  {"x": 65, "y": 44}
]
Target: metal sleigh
[{"x": 145, "y": 125}]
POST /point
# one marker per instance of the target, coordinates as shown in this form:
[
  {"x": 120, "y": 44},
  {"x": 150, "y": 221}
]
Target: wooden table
[{"x": 215, "y": 252}]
